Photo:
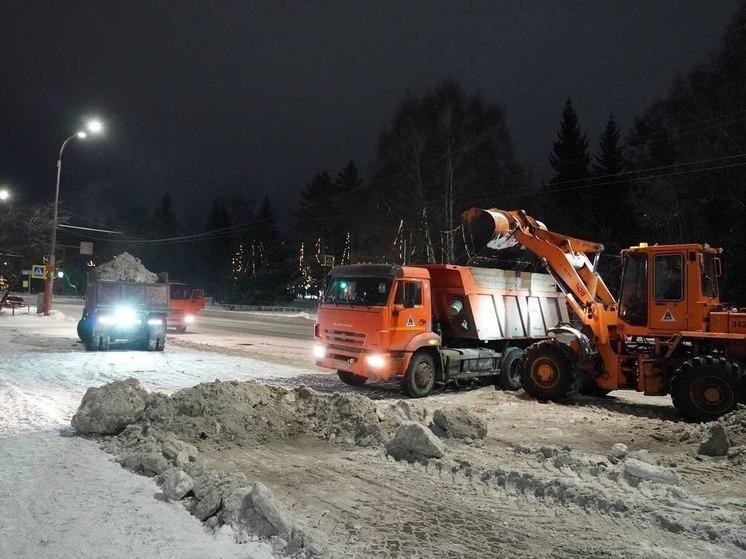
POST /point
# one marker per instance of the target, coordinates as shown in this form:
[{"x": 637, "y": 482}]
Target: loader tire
[
  {"x": 509, "y": 377},
  {"x": 707, "y": 387},
  {"x": 549, "y": 371},
  {"x": 351, "y": 378},
  {"x": 419, "y": 379}
]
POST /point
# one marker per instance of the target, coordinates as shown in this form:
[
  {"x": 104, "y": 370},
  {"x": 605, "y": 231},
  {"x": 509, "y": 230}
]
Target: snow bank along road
[{"x": 59, "y": 495}]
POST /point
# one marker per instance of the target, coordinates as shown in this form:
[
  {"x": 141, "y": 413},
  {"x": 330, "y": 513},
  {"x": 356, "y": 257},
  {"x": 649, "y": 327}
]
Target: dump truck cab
[{"x": 371, "y": 317}]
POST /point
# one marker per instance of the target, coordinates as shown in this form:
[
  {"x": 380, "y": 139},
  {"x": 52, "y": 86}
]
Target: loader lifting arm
[{"x": 565, "y": 258}]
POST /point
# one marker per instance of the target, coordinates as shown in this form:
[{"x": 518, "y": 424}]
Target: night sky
[{"x": 206, "y": 97}]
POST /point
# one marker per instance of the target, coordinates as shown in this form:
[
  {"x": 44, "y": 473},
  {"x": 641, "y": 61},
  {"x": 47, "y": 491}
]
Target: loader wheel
[
  {"x": 351, "y": 378},
  {"x": 419, "y": 379},
  {"x": 706, "y": 387},
  {"x": 549, "y": 371},
  {"x": 509, "y": 377}
]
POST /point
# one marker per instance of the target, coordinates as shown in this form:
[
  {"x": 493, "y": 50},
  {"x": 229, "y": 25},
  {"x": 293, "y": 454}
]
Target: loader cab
[{"x": 667, "y": 288}]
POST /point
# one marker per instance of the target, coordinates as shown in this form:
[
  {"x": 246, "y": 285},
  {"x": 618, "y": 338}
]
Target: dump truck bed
[{"x": 495, "y": 304}]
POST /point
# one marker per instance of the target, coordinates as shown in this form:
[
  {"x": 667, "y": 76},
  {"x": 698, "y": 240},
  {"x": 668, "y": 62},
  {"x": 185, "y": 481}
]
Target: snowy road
[{"x": 62, "y": 497}]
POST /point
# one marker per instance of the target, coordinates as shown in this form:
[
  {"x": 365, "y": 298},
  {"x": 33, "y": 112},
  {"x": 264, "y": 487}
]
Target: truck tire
[
  {"x": 351, "y": 378},
  {"x": 160, "y": 344},
  {"x": 104, "y": 342},
  {"x": 549, "y": 371},
  {"x": 92, "y": 343},
  {"x": 84, "y": 328},
  {"x": 181, "y": 329},
  {"x": 509, "y": 377},
  {"x": 149, "y": 344},
  {"x": 419, "y": 379},
  {"x": 707, "y": 387}
]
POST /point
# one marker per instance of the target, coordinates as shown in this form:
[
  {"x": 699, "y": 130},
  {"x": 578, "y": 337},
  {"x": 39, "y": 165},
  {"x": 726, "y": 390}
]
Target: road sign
[
  {"x": 38, "y": 271},
  {"x": 86, "y": 247}
]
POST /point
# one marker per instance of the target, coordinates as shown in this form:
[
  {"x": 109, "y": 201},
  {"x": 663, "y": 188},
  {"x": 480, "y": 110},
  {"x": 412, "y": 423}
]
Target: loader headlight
[
  {"x": 319, "y": 351},
  {"x": 375, "y": 360}
]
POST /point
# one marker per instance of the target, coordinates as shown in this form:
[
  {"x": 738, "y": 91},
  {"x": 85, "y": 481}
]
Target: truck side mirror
[{"x": 718, "y": 267}]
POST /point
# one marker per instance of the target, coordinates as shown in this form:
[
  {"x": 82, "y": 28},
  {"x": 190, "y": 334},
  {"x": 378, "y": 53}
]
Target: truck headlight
[
  {"x": 189, "y": 319},
  {"x": 375, "y": 360},
  {"x": 154, "y": 322},
  {"x": 319, "y": 351},
  {"x": 125, "y": 316}
]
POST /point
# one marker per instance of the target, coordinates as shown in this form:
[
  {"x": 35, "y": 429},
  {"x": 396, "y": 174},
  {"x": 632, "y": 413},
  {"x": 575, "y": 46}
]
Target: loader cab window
[
  {"x": 709, "y": 275},
  {"x": 633, "y": 300},
  {"x": 408, "y": 293},
  {"x": 669, "y": 277}
]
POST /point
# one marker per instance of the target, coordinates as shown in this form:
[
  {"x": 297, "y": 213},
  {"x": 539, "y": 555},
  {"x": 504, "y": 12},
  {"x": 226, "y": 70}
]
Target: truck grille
[{"x": 342, "y": 337}]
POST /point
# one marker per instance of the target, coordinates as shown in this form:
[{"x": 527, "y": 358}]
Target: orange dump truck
[
  {"x": 432, "y": 324},
  {"x": 183, "y": 305}
]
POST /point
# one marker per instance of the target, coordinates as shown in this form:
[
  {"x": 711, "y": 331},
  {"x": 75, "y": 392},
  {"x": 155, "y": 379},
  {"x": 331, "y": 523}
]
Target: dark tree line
[{"x": 678, "y": 176}]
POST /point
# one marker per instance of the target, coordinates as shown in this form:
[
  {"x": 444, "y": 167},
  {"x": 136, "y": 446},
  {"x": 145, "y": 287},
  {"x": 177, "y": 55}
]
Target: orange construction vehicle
[
  {"x": 183, "y": 305},
  {"x": 432, "y": 324},
  {"x": 668, "y": 333}
]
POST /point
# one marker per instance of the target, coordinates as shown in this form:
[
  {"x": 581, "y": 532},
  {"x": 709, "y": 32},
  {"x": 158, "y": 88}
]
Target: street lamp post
[{"x": 94, "y": 127}]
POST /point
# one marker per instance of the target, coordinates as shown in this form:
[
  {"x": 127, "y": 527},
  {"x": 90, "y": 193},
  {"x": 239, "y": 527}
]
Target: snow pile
[{"x": 125, "y": 267}]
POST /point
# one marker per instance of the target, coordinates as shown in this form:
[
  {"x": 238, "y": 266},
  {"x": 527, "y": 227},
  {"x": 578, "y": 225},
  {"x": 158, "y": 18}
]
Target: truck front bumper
[{"x": 370, "y": 364}]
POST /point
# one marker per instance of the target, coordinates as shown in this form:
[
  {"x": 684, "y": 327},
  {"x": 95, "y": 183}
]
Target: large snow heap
[{"x": 125, "y": 267}]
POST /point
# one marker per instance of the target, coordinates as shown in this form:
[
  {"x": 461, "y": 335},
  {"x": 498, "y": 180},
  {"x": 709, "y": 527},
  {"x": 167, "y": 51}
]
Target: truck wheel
[
  {"x": 549, "y": 371},
  {"x": 92, "y": 343},
  {"x": 149, "y": 344},
  {"x": 160, "y": 344},
  {"x": 103, "y": 344},
  {"x": 181, "y": 329},
  {"x": 706, "y": 387},
  {"x": 84, "y": 328},
  {"x": 509, "y": 377},
  {"x": 419, "y": 380},
  {"x": 351, "y": 378}
]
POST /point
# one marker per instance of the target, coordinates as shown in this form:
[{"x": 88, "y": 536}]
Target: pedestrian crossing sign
[{"x": 38, "y": 271}]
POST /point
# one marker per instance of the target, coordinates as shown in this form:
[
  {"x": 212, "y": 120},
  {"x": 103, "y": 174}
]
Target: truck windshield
[{"x": 373, "y": 292}]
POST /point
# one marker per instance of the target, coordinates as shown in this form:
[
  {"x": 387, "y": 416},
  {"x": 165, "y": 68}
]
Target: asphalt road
[{"x": 218, "y": 321}]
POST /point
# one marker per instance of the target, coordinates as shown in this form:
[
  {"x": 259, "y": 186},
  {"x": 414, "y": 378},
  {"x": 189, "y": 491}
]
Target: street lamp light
[
  {"x": 4, "y": 194},
  {"x": 94, "y": 127}
]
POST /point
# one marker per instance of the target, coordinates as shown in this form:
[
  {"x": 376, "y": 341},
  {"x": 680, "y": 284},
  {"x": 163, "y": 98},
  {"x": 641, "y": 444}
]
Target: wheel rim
[
  {"x": 711, "y": 394},
  {"x": 423, "y": 374},
  {"x": 545, "y": 373}
]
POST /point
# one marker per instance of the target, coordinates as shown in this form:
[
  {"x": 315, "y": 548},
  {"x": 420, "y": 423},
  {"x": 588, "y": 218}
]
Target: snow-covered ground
[{"x": 60, "y": 496}]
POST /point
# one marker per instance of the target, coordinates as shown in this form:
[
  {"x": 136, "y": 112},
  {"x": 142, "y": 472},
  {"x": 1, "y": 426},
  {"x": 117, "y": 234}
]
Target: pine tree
[
  {"x": 569, "y": 157},
  {"x": 568, "y": 208},
  {"x": 611, "y": 160}
]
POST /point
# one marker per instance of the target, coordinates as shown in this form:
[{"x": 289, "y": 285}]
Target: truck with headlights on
[
  {"x": 124, "y": 311},
  {"x": 433, "y": 324}
]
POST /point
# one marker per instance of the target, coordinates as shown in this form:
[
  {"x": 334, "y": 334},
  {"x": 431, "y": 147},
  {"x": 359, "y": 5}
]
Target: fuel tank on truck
[{"x": 490, "y": 304}]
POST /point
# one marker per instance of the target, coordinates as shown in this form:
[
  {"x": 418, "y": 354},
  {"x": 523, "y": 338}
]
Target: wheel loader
[{"x": 668, "y": 333}]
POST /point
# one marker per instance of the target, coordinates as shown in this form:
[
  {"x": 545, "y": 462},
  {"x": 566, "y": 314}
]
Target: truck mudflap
[{"x": 585, "y": 350}]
